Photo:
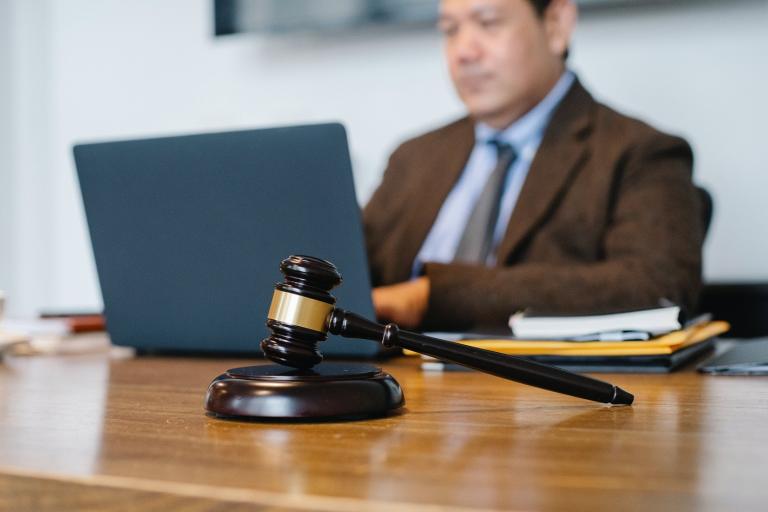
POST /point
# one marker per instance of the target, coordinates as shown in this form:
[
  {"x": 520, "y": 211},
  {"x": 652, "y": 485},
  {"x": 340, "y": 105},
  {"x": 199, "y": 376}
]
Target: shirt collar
[{"x": 531, "y": 125}]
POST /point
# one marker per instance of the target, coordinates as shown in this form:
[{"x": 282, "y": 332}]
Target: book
[
  {"x": 659, "y": 355},
  {"x": 655, "y": 363},
  {"x": 528, "y": 325},
  {"x": 77, "y": 322}
]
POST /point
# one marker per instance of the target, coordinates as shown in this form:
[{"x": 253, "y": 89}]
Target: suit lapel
[
  {"x": 560, "y": 154},
  {"x": 439, "y": 182}
]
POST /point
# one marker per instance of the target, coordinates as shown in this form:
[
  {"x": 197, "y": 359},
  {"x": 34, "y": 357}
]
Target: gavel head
[{"x": 301, "y": 306}]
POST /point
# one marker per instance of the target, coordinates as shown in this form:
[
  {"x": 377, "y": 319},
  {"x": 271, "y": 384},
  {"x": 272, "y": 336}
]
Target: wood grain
[{"x": 86, "y": 433}]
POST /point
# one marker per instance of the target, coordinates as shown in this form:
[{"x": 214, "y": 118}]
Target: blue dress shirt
[{"x": 524, "y": 135}]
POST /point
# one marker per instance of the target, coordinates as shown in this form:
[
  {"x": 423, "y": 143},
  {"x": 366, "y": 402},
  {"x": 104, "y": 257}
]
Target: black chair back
[{"x": 707, "y": 208}]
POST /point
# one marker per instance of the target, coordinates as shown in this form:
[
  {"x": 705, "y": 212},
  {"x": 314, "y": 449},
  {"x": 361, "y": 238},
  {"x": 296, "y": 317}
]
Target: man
[{"x": 541, "y": 198}]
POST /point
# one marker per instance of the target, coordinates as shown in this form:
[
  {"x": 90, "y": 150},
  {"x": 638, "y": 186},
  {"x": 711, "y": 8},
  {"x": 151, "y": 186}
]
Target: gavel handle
[{"x": 351, "y": 325}]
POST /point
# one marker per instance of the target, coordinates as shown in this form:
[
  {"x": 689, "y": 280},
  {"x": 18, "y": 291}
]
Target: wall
[
  {"x": 84, "y": 70},
  {"x": 6, "y": 183},
  {"x": 28, "y": 159}
]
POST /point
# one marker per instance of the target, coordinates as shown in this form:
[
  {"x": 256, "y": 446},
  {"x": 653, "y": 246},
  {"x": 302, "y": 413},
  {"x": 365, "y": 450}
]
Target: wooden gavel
[{"x": 303, "y": 312}]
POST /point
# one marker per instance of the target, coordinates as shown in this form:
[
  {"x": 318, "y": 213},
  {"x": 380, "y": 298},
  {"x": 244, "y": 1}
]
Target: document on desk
[
  {"x": 661, "y": 354},
  {"x": 634, "y": 325},
  {"x": 9, "y": 340},
  {"x": 665, "y": 344}
]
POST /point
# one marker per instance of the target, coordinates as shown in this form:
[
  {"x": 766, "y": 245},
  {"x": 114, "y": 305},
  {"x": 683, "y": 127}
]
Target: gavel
[{"x": 303, "y": 312}]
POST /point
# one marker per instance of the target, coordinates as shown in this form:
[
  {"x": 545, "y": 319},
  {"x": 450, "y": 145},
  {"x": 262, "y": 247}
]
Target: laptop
[{"x": 188, "y": 233}]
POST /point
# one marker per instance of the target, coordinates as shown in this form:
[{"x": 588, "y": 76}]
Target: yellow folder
[{"x": 666, "y": 344}]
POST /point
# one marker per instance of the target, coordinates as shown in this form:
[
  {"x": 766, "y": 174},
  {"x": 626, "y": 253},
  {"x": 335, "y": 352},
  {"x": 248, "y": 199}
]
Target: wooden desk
[{"x": 84, "y": 433}]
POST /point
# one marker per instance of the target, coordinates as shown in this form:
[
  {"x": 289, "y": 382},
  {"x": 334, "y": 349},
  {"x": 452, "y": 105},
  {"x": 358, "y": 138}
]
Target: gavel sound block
[
  {"x": 303, "y": 312},
  {"x": 299, "y": 387}
]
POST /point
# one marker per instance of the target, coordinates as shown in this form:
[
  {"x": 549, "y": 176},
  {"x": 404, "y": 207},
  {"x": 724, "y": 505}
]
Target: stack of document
[
  {"x": 53, "y": 335},
  {"x": 648, "y": 341},
  {"x": 10, "y": 340}
]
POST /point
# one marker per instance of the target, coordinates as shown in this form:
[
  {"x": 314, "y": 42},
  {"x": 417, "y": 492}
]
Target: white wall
[
  {"x": 84, "y": 70},
  {"x": 6, "y": 184},
  {"x": 26, "y": 221}
]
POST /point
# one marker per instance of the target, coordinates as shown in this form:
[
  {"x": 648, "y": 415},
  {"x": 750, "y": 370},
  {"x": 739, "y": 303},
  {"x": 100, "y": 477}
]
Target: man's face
[{"x": 502, "y": 57}]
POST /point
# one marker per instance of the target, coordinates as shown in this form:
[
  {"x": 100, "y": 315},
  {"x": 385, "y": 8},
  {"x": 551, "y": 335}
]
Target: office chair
[
  {"x": 743, "y": 305},
  {"x": 707, "y": 208}
]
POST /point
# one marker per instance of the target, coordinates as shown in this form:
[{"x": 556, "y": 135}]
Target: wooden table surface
[{"x": 87, "y": 433}]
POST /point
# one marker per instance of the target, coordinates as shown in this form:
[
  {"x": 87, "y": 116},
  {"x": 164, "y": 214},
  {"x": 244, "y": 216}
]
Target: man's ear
[{"x": 560, "y": 19}]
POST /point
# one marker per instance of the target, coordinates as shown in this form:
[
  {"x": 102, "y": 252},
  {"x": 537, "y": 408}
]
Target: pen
[
  {"x": 613, "y": 336},
  {"x": 698, "y": 320},
  {"x": 505, "y": 366}
]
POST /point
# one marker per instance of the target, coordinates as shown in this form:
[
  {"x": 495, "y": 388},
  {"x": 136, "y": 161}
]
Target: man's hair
[{"x": 540, "y": 6}]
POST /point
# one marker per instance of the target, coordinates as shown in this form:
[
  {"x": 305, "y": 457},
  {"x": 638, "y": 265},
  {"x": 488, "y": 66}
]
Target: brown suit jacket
[{"x": 607, "y": 219}]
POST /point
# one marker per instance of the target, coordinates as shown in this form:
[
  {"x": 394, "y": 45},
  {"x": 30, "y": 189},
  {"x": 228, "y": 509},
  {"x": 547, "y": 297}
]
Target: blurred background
[{"x": 84, "y": 70}]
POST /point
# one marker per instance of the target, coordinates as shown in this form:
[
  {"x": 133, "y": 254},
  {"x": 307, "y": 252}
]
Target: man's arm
[
  {"x": 402, "y": 303},
  {"x": 384, "y": 211}
]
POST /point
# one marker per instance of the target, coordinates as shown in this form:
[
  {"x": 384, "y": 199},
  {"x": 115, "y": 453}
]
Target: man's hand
[{"x": 402, "y": 303}]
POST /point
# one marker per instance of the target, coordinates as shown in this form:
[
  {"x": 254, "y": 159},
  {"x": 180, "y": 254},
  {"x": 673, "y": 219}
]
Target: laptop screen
[{"x": 188, "y": 232}]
